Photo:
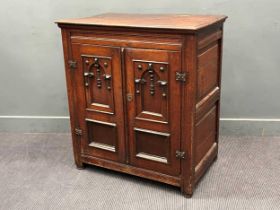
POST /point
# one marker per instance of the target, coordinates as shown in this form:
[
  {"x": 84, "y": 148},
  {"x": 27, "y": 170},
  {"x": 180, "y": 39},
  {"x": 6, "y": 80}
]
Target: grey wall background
[{"x": 32, "y": 83}]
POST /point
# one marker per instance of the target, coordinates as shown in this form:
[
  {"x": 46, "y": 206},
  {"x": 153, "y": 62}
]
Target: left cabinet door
[{"x": 99, "y": 101}]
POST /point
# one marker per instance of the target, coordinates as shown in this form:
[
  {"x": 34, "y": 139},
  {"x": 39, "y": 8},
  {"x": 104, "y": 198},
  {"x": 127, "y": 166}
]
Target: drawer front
[
  {"x": 153, "y": 106},
  {"x": 100, "y": 101}
]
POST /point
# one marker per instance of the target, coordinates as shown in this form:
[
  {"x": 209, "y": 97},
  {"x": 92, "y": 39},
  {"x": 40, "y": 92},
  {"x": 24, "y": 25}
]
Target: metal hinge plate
[
  {"x": 181, "y": 76},
  {"x": 78, "y": 132},
  {"x": 180, "y": 154},
  {"x": 72, "y": 64}
]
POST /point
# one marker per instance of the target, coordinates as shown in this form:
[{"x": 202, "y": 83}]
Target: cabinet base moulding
[{"x": 175, "y": 181}]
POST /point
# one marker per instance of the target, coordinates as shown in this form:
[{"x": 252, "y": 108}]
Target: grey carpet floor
[{"x": 37, "y": 172}]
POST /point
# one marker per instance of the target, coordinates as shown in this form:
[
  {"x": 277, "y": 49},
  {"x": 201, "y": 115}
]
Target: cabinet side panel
[
  {"x": 207, "y": 78},
  {"x": 71, "y": 96},
  {"x": 207, "y": 99},
  {"x": 205, "y": 130}
]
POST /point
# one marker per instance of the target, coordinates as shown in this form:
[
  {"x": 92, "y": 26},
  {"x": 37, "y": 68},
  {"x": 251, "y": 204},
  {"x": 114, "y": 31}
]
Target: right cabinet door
[{"x": 153, "y": 107}]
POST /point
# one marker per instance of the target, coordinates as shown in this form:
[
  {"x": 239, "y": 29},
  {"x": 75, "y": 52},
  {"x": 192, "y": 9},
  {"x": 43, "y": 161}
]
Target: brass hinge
[
  {"x": 72, "y": 64},
  {"x": 180, "y": 154},
  {"x": 78, "y": 132},
  {"x": 182, "y": 76}
]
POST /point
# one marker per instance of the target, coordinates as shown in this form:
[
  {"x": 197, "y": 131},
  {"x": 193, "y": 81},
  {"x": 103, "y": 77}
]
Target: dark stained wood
[
  {"x": 125, "y": 168},
  {"x": 129, "y": 111},
  {"x": 127, "y": 39},
  {"x": 188, "y": 102},
  {"x": 205, "y": 41},
  {"x": 205, "y": 130},
  {"x": 154, "y": 108},
  {"x": 206, "y": 161},
  {"x": 72, "y": 98},
  {"x": 208, "y": 99},
  {"x": 208, "y": 62},
  {"x": 207, "y": 103},
  {"x": 104, "y": 107},
  {"x": 161, "y": 21}
]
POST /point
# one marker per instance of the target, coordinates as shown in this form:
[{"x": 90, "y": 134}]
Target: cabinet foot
[
  {"x": 215, "y": 158},
  {"x": 80, "y": 166},
  {"x": 188, "y": 195},
  {"x": 188, "y": 191}
]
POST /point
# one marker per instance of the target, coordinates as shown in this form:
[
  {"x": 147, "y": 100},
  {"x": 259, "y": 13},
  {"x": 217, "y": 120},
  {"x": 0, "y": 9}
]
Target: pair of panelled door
[{"x": 152, "y": 105}]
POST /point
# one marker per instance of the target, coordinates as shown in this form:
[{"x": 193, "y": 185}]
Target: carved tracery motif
[
  {"x": 151, "y": 74},
  {"x": 95, "y": 69}
]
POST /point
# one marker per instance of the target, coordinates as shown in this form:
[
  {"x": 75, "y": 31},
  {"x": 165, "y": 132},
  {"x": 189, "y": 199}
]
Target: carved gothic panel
[
  {"x": 151, "y": 90},
  {"x": 98, "y": 83}
]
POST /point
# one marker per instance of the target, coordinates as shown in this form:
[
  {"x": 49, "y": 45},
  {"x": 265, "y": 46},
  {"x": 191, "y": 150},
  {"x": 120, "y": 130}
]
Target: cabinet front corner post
[
  {"x": 188, "y": 113},
  {"x": 67, "y": 50}
]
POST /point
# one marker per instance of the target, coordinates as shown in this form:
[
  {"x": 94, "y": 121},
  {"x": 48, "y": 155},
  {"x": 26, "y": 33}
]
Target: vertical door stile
[{"x": 125, "y": 118}]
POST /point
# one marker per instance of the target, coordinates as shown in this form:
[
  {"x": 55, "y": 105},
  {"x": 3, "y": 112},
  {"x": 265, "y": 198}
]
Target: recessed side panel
[
  {"x": 208, "y": 69},
  {"x": 205, "y": 130}
]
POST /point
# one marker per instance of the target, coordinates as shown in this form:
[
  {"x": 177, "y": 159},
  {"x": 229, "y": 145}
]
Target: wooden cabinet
[{"x": 144, "y": 93}]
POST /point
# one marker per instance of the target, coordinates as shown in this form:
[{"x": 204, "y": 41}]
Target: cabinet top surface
[{"x": 159, "y": 21}]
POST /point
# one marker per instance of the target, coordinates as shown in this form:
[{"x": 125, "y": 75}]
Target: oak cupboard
[{"x": 144, "y": 93}]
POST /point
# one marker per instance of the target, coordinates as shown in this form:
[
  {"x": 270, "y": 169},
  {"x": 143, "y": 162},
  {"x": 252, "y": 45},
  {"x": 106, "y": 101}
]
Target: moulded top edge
[{"x": 156, "y": 21}]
